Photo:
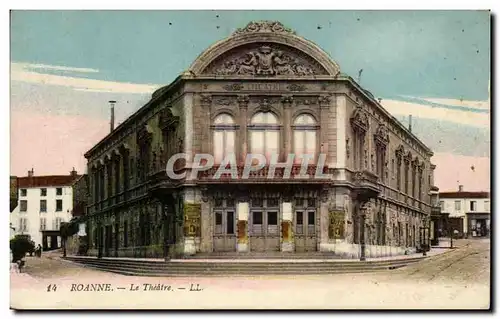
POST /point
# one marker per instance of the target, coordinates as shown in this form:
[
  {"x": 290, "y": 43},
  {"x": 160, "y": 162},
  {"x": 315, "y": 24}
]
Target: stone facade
[{"x": 380, "y": 173}]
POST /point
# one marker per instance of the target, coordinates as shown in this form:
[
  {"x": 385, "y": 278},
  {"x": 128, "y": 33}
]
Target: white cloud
[
  {"x": 57, "y": 67},
  {"x": 21, "y": 73},
  {"x": 436, "y": 113},
  {"x": 481, "y": 105}
]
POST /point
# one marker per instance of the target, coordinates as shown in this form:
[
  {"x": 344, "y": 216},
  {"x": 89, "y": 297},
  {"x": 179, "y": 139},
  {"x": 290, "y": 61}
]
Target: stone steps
[{"x": 260, "y": 268}]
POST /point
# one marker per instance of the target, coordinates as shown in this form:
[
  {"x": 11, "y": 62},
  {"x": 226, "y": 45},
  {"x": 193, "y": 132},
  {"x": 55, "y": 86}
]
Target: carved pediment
[
  {"x": 359, "y": 119},
  {"x": 382, "y": 135},
  {"x": 167, "y": 120},
  {"x": 266, "y": 60}
]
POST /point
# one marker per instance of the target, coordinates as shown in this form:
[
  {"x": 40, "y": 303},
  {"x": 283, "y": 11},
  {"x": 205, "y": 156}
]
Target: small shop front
[{"x": 479, "y": 224}]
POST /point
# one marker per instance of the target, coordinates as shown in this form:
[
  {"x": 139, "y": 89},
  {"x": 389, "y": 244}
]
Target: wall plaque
[
  {"x": 192, "y": 219},
  {"x": 336, "y": 225}
]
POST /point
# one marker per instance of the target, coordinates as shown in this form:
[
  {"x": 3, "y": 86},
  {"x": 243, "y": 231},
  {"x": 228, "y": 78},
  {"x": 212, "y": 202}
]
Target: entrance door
[
  {"x": 224, "y": 225},
  {"x": 305, "y": 225},
  {"x": 264, "y": 225},
  {"x": 224, "y": 230},
  {"x": 305, "y": 230}
]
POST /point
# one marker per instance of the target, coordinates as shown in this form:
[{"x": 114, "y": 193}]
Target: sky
[{"x": 66, "y": 65}]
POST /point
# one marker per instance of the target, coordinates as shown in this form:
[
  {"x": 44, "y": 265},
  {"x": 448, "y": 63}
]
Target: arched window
[
  {"x": 304, "y": 137},
  {"x": 224, "y": 136},
  {"x": 264, "y": 134}
]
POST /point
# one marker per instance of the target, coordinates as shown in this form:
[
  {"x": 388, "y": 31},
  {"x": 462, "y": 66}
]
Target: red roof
[
  {"x": 464, "y": 195},
  {"x": 47, "y": 181}
]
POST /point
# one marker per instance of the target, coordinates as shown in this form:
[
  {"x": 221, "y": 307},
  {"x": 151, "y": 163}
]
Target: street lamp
[
  {"x": 424, "y": 237},
  {"x": 165, "y": 233},
  {"x": 362, "y": 216}
]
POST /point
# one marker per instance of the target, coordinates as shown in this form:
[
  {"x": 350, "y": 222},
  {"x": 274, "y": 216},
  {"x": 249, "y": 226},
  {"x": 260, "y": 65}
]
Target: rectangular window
[
  {"x": 218, "y": 222},
  {"x": 43, "y": 192},
  {"x": 23, "y": 224},
  {"x": 230, "y": 223},
  {"x": 58, "y": 191},
  {"x": 23, "y": 192},
  {"x": 257, "y": 222},
  {"x": 59, "y": 205},
  {"x": 272, "y": 223},
  {"x": 311, "y": 222},
  {"x": 43, "y": 223},
  {"x": 457, "y": 205},
  {"x": 272, "y": 218},
  {"x": 441, "y": 204},
  {"x": 299, "y": 223},
  {"x": 23, "y": 206},
  {"x": 57, "y": 225},
  {"x": 473, "y": 205},
  {"x": 43, "y": 206}
]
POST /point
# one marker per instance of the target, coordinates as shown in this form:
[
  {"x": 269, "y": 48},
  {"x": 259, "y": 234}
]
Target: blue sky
[
  {"x": 66, "y": 65},
  {"x": 401, "y": 53}
]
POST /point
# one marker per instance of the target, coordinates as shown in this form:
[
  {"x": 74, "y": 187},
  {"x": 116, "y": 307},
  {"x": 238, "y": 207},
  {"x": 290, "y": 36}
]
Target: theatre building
[{"x": 263, "y": 90}]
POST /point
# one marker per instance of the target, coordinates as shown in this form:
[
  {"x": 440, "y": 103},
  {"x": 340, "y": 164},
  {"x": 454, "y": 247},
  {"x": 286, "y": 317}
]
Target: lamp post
[
  {"x": 424, "y": 236},
  {"x": 165, "y": 233},
  {"x": 362, "y": 215}
]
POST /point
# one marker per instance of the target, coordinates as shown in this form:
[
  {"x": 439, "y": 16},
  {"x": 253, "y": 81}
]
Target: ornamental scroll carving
[
  {"x": 359, "y": 119},
  {"x": 264, "y": 61},
  {"x": 263, "y": 26},
  {"x": 382, "y": 135},
  {"x": 167, "y": 121}
]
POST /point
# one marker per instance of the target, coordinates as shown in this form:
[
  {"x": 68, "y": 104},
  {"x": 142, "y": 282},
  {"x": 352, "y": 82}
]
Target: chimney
[
  {"x": 409, "y": 127},
  {"x": 31, "y": 172},
  {"x": 112, "y": 121},
  {"x": 73, "y": 172},
  {"x": 460, "y": 188}
]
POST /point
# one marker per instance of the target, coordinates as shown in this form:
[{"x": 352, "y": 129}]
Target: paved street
[{"x": 457, "y": 279}]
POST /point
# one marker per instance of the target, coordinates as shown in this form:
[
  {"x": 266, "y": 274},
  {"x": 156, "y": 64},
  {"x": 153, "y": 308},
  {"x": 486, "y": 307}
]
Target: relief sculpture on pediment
[{"x": 265, "y": 60}]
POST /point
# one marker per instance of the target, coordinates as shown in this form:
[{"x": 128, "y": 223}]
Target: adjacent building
[
  {"x": 263, "y": 90},
  {"x": 468, "y": 212},
  {"x": 44, "y": 203}
]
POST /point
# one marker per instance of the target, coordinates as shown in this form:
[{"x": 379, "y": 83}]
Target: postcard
[{"x": 250, "y": 160}]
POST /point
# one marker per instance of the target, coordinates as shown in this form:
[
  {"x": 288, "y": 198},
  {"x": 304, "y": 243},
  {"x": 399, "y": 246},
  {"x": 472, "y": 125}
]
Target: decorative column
[
  {"x": 287, "y": 101},
  {"x": 243, "y": 104},
  {"x": 327, "y": 126},
  {"x": 242, "y": 211},
  {"x": 287, "y": 238}
]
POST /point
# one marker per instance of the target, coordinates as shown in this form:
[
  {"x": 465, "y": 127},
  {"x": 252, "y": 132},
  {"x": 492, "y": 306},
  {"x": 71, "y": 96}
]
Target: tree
[
  {"x": 67, "y": 230},
  {"x": 20, "y": 245}
]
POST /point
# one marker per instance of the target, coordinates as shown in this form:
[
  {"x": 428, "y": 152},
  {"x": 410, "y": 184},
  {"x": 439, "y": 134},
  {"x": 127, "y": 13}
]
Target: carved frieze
[
  {"x": 266, "y": 60},
  {"x": 224, "y": 101},
  {"x": 233, "y": 87},
  {"x": 324, "y": 100},
  {"x": 296, "y": 87},
  {"x": 263, "y": 26},
  {"x": 306, "y": 100},
  {"x": 206, "y": 99}
]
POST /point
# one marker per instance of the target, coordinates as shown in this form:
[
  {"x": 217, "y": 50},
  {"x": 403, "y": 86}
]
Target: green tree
[
  {"x": 20, "y": 245},
  {"x": 67, "y": 230}
]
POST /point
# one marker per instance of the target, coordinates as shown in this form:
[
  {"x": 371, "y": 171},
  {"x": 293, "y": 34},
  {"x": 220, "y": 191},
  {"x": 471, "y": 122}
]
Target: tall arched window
[
  {"x": 224, "y": 136},
  {"x": 304, "y": 137},
  {"x": 264, "y": 134}
]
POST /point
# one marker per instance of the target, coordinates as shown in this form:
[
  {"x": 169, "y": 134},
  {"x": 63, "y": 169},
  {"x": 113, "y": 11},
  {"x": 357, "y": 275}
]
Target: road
[{"x": 457, "y": 279}]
